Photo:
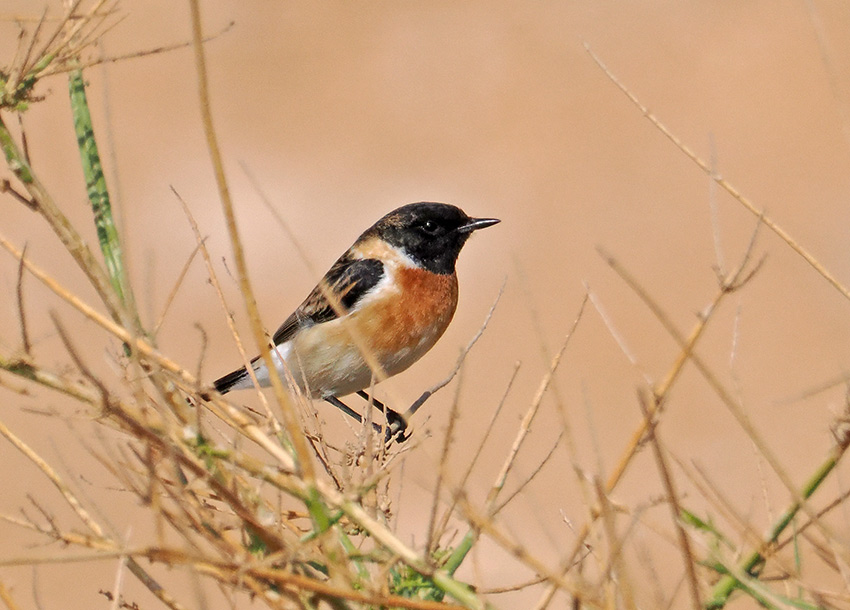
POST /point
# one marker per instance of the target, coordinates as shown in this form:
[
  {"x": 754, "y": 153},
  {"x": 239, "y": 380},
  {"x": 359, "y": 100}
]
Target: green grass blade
[
  {"x": 107, "y": 234},
  {"x": 753, "y": 563}
]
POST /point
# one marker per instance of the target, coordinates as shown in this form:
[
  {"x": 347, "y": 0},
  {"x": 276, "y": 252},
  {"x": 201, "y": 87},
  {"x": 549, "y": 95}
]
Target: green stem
[
  {"x": 461, "y": 592},
  {"x": 349, "y": 548},
  {"x": 98, "y": 193},
  {"x": 460, "y": 552},
  {"x": 318, "y": 511},
  {"x": 14, "y": 159},
  {"x": 753, "y": 563}
]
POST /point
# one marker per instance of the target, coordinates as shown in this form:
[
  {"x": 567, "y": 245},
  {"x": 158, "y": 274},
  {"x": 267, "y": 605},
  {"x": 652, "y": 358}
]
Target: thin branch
[
  {"x": 231, "y": 323},
  {"x": 525, "y": 425},
  {"x": 6, "y": 187},
  {"x": 41, "y": 21},
  {"x": 660, "y": 391},
  {"x": 461, "y": 486},
  {"x": 714, "y": 214},
  {"x": 616, "y": 334},
  {"x": 722, "y": 182},
  {"x": 489, "y": 430},
  {"x": 616, "y": 566},
  {"x": 558, "y": 581},
  {"x": 175, "y": 289},
  {"x": 675, "y": 506},
  {"x": 25, "y": 147},
  {"x": 511, "y": 588},
  {"x": 293, "y": 429},
  {"x": 434, "y": 532},
  {"x": 7, "y": 598},
  {"x": 55, "y": 479},
  {"x": 22, "y": 316},
  {"x": 526, "y": 481},
  {"x": 224, "y": 409},
  {"x": 138, "y": 54},
  {"x": 753, "y": 562},
  {"x": 718, "y": 502}
]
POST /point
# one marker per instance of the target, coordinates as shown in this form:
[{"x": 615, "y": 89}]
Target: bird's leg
[
  {"x": 349, "y": 411},
  {"x": 344, "y": 408},
  {"x": 374, "y": 401},
  {"x": 396, "y": 422}
]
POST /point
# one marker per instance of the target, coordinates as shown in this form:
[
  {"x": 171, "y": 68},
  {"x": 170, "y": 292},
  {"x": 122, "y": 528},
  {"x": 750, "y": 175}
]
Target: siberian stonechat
[{"x": 385, "y": 301}]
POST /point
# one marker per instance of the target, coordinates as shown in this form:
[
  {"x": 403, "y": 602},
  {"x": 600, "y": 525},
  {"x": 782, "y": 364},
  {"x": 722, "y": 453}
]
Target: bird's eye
[{"x": 430, "y": 227}]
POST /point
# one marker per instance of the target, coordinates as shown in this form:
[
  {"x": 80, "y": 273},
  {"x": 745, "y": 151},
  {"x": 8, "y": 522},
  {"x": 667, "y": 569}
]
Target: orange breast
[
  {"x": 403, "y": 326},
  {"x": 397, "y": 326}
]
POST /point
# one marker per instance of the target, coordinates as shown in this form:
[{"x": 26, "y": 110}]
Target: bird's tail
[{"x": 232, "y": 380}]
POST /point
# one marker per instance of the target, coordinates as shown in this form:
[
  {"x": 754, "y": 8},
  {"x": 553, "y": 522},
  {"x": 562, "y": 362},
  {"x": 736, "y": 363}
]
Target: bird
[{"x": 385, "y": 301}]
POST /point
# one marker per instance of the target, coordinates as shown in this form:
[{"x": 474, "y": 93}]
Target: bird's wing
[{"x": 348, "y": 280}]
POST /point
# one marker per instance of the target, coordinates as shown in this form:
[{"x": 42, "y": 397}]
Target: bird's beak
[{"x": 477, "y": 223}]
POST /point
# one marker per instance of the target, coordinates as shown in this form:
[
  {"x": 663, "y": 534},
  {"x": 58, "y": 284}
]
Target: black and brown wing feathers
[{"x": 348, "y": 280}]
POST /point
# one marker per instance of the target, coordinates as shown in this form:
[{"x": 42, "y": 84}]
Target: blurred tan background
[{"x": 345, "y": 110}]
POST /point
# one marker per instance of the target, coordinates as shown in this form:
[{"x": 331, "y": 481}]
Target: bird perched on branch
[{"x": 382, "y": 305}]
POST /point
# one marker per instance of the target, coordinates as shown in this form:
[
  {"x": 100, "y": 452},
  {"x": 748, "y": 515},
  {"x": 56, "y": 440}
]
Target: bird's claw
[{"x": 396, "y": 429}]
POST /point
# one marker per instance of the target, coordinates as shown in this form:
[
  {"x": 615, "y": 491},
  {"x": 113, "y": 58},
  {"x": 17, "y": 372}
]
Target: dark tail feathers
[{"x": 224, "y": 384}]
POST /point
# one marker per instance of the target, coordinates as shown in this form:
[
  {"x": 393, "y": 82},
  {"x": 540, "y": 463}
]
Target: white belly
[{"x": 325, "y": 361}]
